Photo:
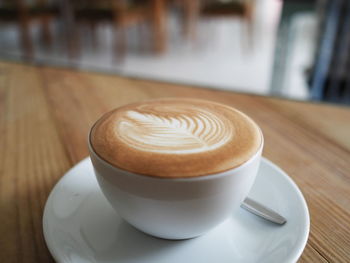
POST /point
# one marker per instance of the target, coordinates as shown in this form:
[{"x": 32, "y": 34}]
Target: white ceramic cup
[{"x": 175, "y": 208}]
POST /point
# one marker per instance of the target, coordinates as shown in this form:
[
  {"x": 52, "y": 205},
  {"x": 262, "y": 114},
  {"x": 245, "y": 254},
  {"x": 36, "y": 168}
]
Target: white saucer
[{"x": 81, "y": 226}]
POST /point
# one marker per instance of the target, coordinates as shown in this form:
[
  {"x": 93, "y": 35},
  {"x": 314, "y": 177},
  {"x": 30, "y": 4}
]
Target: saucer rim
[
  {"x": 294, "y": 256},
  {"x": 302, "y": 244}
]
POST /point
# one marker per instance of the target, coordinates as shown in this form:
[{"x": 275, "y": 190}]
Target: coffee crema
[{"x": 174, "y": 138}]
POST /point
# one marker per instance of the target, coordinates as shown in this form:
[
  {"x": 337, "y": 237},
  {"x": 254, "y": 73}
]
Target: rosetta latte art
[
  {"x": 174, "y": 132},
  {"x": 175, "y": 138}
]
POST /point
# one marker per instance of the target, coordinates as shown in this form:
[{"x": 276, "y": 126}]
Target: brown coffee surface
[{"x": 174, "y": 138}]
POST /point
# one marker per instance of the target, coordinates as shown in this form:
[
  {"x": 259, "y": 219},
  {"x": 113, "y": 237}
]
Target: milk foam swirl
[
  {"x": 177, "y": 132},
  {"x": 175, "y": 138}
]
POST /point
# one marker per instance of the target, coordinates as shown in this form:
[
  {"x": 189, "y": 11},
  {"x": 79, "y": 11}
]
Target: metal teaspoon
[{"x": 260, "y": 210}]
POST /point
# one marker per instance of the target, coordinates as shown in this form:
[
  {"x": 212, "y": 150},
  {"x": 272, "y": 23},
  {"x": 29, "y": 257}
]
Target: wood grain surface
[{"x": 46, "y": 114}]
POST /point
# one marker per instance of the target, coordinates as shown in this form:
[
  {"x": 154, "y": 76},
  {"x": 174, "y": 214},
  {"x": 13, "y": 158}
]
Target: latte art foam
[
  {"x": 175, "y": 132},
  {"x": 175, "y": 138}
]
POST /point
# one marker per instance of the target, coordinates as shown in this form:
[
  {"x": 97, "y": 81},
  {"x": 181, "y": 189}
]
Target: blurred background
[{"x": 292, "y": 48}]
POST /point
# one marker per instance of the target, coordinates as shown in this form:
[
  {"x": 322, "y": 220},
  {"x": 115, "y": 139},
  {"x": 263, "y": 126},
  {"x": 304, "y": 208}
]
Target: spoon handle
[{"x": 262, "y": 211}]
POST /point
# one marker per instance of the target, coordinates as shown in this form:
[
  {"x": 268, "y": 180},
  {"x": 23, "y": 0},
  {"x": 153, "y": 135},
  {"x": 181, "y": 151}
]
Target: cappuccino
[{"x": 175, "y": 138}]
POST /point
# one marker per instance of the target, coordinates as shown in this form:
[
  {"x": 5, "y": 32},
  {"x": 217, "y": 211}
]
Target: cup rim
[{"x": 187, "y": 179}]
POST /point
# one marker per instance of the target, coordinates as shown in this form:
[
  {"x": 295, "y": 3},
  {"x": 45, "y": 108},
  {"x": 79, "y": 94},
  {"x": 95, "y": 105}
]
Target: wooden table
[{"x": 46, "y": 114}]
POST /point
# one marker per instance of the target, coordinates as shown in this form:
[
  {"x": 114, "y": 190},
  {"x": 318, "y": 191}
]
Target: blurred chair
[
  {"x": 120, "y": 13},
  {"x": 189, "y": 10},
  {"x": 243, "y": 9},
  {"x": 24, "y": 13}
]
